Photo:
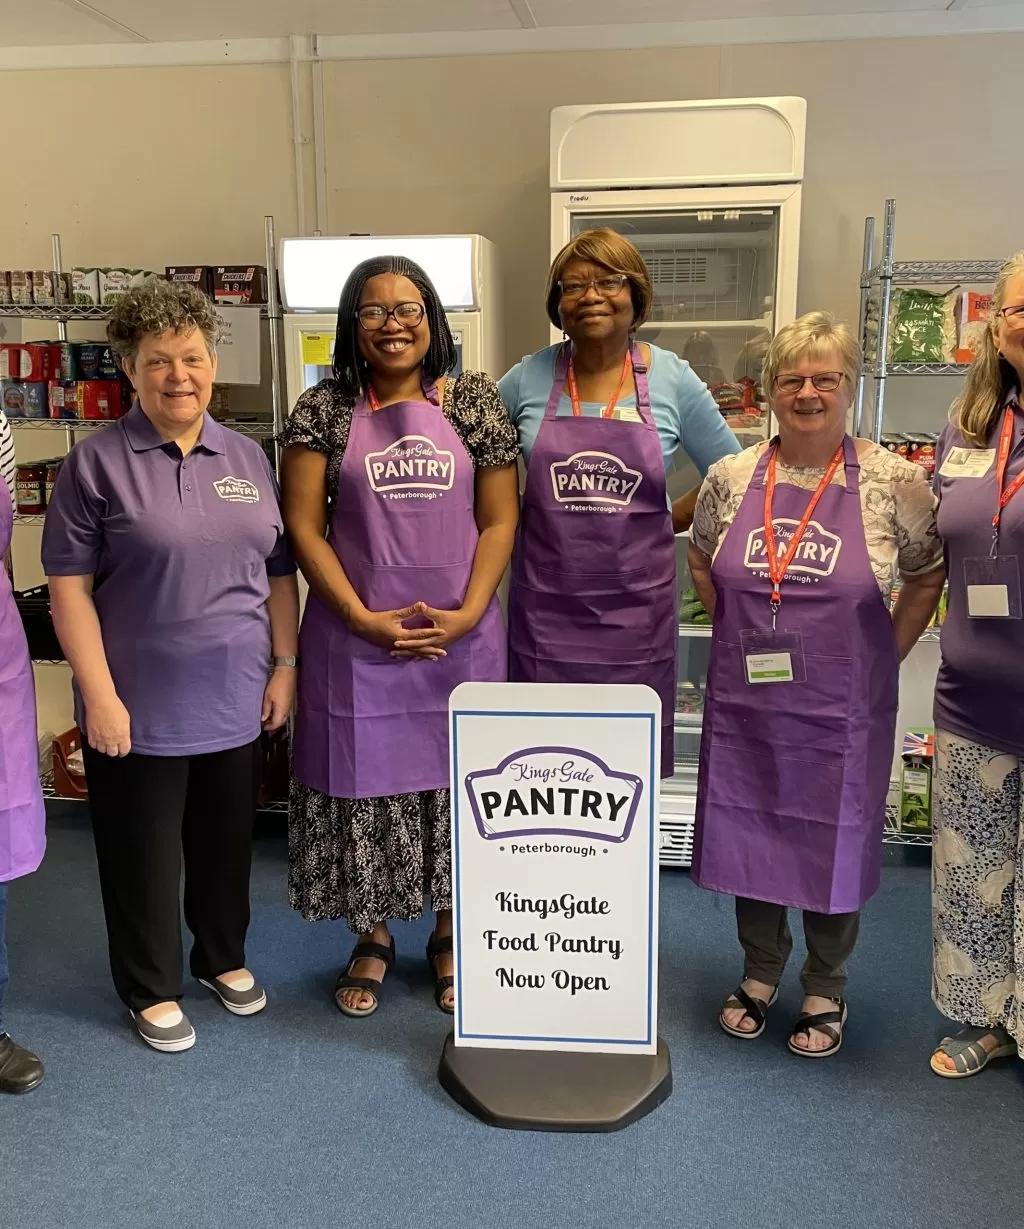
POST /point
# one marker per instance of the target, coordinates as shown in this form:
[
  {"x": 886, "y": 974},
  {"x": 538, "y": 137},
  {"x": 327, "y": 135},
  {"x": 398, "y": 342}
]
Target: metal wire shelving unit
[{"x": 881, "y": 273}]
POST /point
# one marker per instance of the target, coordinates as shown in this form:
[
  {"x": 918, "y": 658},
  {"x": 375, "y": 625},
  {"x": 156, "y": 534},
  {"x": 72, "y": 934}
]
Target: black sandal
[
  {"x": 824, "y": 1022},
  {"x": 440, "y": 947},
  {"x": 370, "y": 985},
  {"x": 756, "y": 1009}
]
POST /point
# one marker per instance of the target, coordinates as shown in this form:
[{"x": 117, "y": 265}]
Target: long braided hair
[{"x": 351, "y": 370}]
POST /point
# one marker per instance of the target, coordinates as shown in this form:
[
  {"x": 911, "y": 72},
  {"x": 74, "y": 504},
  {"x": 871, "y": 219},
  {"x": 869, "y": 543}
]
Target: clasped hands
[{"x": 386, "y": 628}]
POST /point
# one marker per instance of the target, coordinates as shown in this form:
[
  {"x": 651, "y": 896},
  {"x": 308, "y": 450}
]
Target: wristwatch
[{"x": 284, "y": 661}]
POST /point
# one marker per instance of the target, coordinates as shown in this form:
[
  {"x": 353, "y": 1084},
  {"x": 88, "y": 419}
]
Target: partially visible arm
[
  {"x": 700, "y": 571},
  {"x": 108, "y": 725},
  {"x": 915, "y": 604},
  {"x": 703, "y": 433},
  {"x": 497, "y": 515},
  {"x": 920, "y": 555},
  {"x": 682, "y": 510},
  {"x": 283, "y": 611},
  {"x": 304, "y": 506},
  {"x": 7, "y": 464}
]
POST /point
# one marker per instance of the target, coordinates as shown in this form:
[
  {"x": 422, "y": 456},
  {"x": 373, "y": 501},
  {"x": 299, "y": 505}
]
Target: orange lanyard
[
  {"x": 1005, "y": 440},
  {"x": 777, "y": 567},
  {"x": 574, "y": 392},
  {"x": 371, "y": 400}
]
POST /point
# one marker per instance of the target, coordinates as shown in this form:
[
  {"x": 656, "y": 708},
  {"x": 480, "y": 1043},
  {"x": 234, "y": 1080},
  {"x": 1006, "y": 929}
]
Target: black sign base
[{"x": 555, "y": 1090}]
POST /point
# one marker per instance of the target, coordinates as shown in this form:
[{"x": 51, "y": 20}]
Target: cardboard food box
[
  {"x": 915, "y": 813},
  {"x": 32, "y": 361},
  {"x": 239, "y": 284},
  {"x": 21, "y": 399},
  {"x": 85, "y": 287},
  {"x": 21, "y": 287},
  {"x": 5, "y": 285},
  {"x": 62, "y": 396},
  {"x": 200, "y": 276},
  {"x": 44, "y": 287},
  {"x": 973, "y": 318},
  {"x": 87, "y": 360},
  {"x": 117, "y": 282},
  {"x": 90, "y": 399}
]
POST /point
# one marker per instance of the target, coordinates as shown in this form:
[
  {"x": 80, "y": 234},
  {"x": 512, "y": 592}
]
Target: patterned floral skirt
[
  {"x": 978, "y": 886},
  {"x": 368, "y": 860}
]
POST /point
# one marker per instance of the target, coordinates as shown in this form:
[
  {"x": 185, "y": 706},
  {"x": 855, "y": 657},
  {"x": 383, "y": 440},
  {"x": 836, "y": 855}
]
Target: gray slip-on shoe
[
  {"x": 169, "y": 1039},
  {"x": 238, "y": 1002}
]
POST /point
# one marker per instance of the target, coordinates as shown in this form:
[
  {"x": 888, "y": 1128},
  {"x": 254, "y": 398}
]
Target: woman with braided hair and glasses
[{"x": 401, "y": 498}]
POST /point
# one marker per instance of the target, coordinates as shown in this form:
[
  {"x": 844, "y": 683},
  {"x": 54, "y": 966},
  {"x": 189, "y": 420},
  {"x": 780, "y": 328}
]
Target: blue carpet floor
[{"x": 299, "y": 1118}]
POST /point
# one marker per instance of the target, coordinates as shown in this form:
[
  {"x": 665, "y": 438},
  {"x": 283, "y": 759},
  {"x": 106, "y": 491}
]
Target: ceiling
[{"x": 31, "y": 30}]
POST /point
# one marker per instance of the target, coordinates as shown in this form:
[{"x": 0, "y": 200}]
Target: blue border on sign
[{"x": 652, "y": 821}]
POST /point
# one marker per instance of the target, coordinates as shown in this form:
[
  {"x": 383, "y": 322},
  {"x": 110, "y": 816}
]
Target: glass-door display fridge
[
  {"x": 709, "y": 193},
  {"x": 463, "y": 269}
]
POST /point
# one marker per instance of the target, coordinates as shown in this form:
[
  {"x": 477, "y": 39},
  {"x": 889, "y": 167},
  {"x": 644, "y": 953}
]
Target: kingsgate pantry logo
[
  {"x": 412, "y": 463},
  {"x": 815, "y": 556},
  {"x": 594, "y": 478},
  {"x": 237, "y": 490},
  {"x": 558, "y": 791}
]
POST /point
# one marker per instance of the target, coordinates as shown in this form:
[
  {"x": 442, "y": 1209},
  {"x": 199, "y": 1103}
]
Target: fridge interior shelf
[
  {"x": 764, "y": 323},
  {"x": 687, "y": 630},
  {"x": 25, "y": 518},
  {"x": 68, "y": 312}
]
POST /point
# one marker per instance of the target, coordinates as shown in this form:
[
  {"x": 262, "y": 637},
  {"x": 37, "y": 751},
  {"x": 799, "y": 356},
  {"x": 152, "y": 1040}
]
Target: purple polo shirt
[
  {"x": 181, "y": 551},
  {"x": 980, "y": 690}
]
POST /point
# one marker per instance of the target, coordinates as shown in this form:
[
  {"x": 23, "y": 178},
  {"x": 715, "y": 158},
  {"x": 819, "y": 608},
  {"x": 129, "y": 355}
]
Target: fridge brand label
[
  {"x": 594, "y": 478},
  {"x": 816, "y": 555},
  {"x": 237, "y": 490},
  {"x": 556, "y": 791},
  {"x": 411, "y": 467}
]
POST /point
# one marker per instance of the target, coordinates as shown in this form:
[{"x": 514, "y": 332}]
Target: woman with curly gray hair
[{"x": 174, "y": 598}]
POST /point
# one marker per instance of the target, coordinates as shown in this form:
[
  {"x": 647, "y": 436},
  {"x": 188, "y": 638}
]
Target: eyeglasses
[
  {"x": 1014, "y": 316},
  {"x": 823, "y": 381},
  {"x": 607, "y": 287},
  {"x": 374, "y": 316}
]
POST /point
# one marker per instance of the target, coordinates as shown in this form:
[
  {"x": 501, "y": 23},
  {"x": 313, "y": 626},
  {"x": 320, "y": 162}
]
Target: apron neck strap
[
  {"x": 851, "y": 464},
  {"x": 368, "y": 401},
  {"x": 643, "y": 391}
]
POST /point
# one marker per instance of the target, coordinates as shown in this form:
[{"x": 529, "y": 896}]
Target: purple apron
[
  {"x": 368, "y": 724},
  {"x": 593, "y": 594},
  {"x": 794, "y": 776},
  {"x": 22, "y": 818}
]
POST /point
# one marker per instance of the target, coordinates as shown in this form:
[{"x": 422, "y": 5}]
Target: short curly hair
[{"x": 153, "y": 307}]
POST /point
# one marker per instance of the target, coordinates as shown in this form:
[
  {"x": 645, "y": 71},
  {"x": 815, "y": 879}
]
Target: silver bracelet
[{"x": 284, "y": 661}]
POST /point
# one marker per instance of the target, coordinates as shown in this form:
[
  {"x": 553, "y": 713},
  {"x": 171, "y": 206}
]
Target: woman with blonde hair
[
  {"x": 795, "y": 548},
  {"x": 600, "y": 418},
  {"x": 978, "y": 856}
]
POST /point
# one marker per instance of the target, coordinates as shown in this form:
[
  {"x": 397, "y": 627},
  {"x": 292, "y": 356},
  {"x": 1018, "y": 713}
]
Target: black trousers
[
  {"x": 147, "y": 812},
  {"x": 767, "y": 942}
]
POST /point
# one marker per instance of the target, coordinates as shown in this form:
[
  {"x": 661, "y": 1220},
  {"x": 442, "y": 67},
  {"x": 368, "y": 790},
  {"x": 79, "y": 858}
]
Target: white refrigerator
[
  {"x": 464, "y": 271},
  {"x": 709, "y": 192}
]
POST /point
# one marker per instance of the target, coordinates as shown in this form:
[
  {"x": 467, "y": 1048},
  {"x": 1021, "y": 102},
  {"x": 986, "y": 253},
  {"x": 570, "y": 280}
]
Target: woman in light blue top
[
  {"x": 600, "y": 419},
  {"x": 599, "y": 326}
]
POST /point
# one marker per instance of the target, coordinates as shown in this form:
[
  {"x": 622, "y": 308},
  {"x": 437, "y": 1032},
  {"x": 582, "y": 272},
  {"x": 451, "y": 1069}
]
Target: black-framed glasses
[
  {"x": 823, "y": 381},
  {"x": 1014, "y": 316},
  {"x": 374, "y": 316},
  {"x": 607, "y": 286}
]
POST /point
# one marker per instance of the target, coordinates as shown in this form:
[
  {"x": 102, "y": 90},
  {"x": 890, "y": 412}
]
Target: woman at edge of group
[
  {"x": 593, "y": 587},
  {"x": 800, "y": 711},
  {"x": 978, "y": 838},
  {"x": 22, "y": 816},
  {"x": 175, "y": 600},
  {"x": 402, "y": 608}
]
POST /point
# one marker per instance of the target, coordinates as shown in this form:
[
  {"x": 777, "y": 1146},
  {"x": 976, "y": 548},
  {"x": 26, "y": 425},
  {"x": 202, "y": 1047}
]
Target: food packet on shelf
[
  {"x": 922, "y": 326},
  {"x": 973, "y": 316}
]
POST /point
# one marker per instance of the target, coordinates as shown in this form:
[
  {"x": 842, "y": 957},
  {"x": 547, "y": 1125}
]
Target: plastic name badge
[
  {"x": 967, "y": 462},
  {"x": 773, "y": 657},
  {"x": 993, "y": 587}
]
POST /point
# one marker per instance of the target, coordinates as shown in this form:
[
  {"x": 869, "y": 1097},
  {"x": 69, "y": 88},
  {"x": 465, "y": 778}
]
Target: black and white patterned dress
[{"x": 369, "y": 860}]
